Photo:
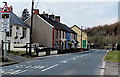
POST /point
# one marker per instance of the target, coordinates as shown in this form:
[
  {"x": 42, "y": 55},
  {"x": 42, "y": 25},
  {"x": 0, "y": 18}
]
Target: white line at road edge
[
  {"x": 50, "y": 67},
  {"x": 102, "y": 71}
]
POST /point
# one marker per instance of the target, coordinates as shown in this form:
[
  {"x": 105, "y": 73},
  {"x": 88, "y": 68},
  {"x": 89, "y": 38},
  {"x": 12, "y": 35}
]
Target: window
[
  {"x": 56, "y": 33},
  {"x": 63, "y": 34},
  {"x": 60, "y": 33},
  {"x": 10, "y": 31},
  {"x": 24, "y": 32},
  {"x": 9, "y": 34},
  {"x": 17, "y": 30}
]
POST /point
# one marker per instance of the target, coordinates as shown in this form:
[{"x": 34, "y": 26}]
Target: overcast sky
[{"x": 86, "y": 13}]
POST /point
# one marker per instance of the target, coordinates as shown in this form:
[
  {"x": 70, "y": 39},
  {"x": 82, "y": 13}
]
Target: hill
[{"x": 104, "y": 35}]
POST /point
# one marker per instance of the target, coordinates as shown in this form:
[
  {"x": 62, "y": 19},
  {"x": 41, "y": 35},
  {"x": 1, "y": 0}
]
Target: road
[{"x": 82, "y": 63}]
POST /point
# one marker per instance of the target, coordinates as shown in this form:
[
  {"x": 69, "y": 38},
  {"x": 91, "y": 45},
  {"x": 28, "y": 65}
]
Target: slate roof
[
  {"x": 17, "y": 21},
  {"x": 57, "y": 24},
  {"x": 14, "y": 19}
]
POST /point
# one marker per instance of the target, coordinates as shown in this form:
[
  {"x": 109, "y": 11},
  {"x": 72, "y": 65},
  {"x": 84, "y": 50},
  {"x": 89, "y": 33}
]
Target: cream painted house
[
  {"x": 18, "y": 35},
  {"x": 84, "y": 36}
]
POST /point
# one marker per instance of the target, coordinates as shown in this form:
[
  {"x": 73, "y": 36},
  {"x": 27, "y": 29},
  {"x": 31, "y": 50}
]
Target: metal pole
[
  {"x": 31, "y": 27},
  {"x": 5, "y": 51},
  {"x": 81, "y": 36}
]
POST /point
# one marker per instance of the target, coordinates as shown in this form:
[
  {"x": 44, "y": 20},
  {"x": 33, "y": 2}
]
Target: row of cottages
[
  {"x": 48, "y": 31},
  {"x": 19, "y": 31},
  {"x": 84, "y": 37}
]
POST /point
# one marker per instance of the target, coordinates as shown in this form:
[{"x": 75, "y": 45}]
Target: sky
[{"x": 87, "y": 13}]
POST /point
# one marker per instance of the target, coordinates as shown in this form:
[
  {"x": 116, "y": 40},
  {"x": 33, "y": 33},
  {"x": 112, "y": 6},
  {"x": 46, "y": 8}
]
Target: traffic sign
[{"x": 5, "y": 22}]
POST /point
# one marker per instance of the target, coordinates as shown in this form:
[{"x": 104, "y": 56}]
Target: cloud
[{"x": 79, "y": 13}]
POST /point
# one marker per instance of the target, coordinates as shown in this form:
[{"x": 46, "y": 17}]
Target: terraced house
[
  {"x": 18, "y": 34},
  {"x": 48, "y": 31},
  {"x": 81, "y": 37}
]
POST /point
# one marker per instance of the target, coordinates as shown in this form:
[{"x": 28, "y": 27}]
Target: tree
[
  {"x": 105, "y": 35},
  {"x": 25, "y": 14}
]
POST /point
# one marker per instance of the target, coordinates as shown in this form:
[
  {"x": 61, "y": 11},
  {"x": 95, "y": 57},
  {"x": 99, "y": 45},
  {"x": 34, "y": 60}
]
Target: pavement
[
  {"x": 19, "y": 59},
  {"x": 112, "y": 68},
  {"x": 81, "y": 63}
]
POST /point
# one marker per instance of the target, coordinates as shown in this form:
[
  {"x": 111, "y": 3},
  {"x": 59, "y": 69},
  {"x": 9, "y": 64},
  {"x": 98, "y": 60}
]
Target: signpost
[{"x": 5, "y": 20}]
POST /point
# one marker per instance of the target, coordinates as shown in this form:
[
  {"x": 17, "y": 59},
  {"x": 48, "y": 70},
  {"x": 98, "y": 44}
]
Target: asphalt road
[{"x": 82, "y": 63}]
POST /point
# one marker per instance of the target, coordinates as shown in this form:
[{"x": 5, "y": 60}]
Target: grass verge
[
  {"x": 20, "y": 53},
  {"x": 113, "y": 56}
]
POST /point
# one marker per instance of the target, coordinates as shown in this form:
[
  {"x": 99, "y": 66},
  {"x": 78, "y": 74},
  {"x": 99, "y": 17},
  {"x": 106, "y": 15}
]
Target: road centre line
[{"x": 50, "y": 67}]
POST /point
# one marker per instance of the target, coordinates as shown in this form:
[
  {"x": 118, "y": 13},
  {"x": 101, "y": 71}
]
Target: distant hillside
[{"x": 104, "y": 35}]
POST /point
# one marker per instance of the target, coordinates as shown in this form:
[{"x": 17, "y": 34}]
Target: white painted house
[{"x": 18, "y": 34}]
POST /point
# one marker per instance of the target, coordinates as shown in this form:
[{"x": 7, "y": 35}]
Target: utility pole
[
  {"x": 30, "y": 49},
  {"x": 81, "y": 36}
]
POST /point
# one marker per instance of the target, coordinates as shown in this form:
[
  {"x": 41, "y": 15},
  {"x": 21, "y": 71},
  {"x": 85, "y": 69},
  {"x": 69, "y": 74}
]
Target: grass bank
[
  {"x": 113, "y": 56},
  {"x": 20, "y": 53}
]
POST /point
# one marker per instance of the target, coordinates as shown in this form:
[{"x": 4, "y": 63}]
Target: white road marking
[
  {"x": 41, "y": 67},
  {"x": 74, "y": 58},
  {"x": 28, "y": 62},
  {"x": 64, "y": 61},
  {"x": 37, "y": 67},
  {"x": 50, "y": 67},
  {"x": 15, "y": 71},
  {"x": 20, "y": 72},
  {"x": 7, "y": 71},
  {"x": 102, "y": 69},
  {"x": 28, "y": 66}
]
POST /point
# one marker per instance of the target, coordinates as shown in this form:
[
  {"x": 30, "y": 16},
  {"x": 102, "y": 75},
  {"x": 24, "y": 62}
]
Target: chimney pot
[
  {"x": 45, "y": 14},
  {"x": 57, "y": 18},
  {"x": 36, "y": 11},
  {"x": 52, "y": 16}
]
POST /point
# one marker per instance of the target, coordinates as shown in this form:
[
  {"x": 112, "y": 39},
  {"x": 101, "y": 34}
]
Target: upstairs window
[
  {"x": 60, "y": 33},
  {"x": 24, "y": 32},
  {"x": 9, "y": 34},
  {"x": 56, "y": 33},
  {"x": 63, "y": 34},
  {"x": 10, "y": 31}
]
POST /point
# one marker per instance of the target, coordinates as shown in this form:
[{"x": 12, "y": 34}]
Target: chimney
[
  {"x": 36, "y": 11},
  {"x": 52, "y": 16},
  {"x": 45, "y": 14},
  {"x": 57, "y": 18}
]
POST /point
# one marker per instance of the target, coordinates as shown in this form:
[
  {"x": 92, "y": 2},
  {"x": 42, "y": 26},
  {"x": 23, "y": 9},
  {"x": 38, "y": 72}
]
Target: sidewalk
[
  {"x": 112, "y": 68},
  {"x": 15, "y": 59},
  {"x": 18, "y": 59}
]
